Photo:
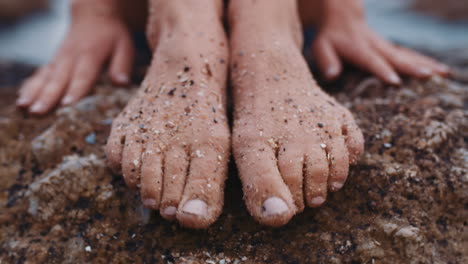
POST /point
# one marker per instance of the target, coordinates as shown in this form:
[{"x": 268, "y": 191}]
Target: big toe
[
  {"x": 203, "y": 196},
  {"x": 266, "y": 195}
]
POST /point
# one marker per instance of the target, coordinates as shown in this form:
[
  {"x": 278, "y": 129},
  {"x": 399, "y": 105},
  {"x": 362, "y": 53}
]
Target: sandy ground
[{"x": 405, "y": 202}]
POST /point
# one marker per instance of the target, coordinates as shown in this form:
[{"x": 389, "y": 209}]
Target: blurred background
[{"x": 31, "y": 30}]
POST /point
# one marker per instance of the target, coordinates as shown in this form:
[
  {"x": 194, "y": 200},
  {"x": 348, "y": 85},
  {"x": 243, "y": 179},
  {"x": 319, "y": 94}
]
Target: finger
[
  {"x": 122, "y": 61},
  {"x": 367, "y": 58},
  {"x": 85, "y": 75},
  {"x": 427, "y": 63},
  {"x": 437, "y": 67},
  {"x": 327, "y": 59},
  {"x": 405, "y": 63},
  {"x": 31, "y": 87},
  {"x": 54, "y": 88}
]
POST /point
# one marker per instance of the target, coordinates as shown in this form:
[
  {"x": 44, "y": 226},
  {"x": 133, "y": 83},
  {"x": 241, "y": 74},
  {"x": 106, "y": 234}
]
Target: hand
[
  {"x": 90, "y": 42},
  {"x": 344, "y": 34}
]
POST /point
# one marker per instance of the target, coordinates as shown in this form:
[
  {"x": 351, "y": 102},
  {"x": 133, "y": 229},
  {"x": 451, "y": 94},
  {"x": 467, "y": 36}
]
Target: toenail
[
  {"x": 170, "y": 210},
  {"x": 274, "y": 206},
  {"x": 149, "y": 202},
  {"x": 196, "y": 207},
  {"x": 317, "y": 200},
  {"x": 37, "y": 107},
  {"x": 335, "y": 186}
]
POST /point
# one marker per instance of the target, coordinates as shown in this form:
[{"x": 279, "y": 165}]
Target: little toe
[
  {"x": 203, "y": 196},
  {"x": 114, "y": 146},
  {"x": 131, "y": 160},
  {"x": 353, "y": 138},
  {"x": 354, "y": 141},
  {"x": 176, "y": 164},
  {"x": 315, "y": 176},
  {"x": 291, "y": 163},
  {"x": 338, "y": 160},
  {"x": 151, "y": 177},
  {"x": 266, "y": 195}
]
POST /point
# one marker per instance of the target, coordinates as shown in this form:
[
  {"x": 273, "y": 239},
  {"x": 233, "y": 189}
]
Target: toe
[
  {"x": 315, "y": 176},
  {"x": 203, "y": 197},
  {"x": 290, "y": 163},
  {"x": 338, "y": 160},
  {"x": 354, "y": 141},
  {"x": 266, "y": 195},
  {"x": 151, "y": 177},
  {"x": 176, "y": 163},
  {"x": 131, "y": 160},
  {"x": 353, "y": 138},
  {"x": 114, "y": 146}
]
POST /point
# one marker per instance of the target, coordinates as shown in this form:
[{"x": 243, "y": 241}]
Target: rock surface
[{"x": 405, "y": 202}]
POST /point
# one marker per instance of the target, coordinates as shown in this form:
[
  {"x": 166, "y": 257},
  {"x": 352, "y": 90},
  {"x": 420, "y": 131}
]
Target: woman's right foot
[
  {"x": 291, "y": 141},
  {"x": 172, "y": 140}
]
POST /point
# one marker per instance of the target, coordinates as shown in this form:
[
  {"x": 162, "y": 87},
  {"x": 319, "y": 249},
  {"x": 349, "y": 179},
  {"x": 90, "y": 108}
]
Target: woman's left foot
[{"x": 291, "y": 141}]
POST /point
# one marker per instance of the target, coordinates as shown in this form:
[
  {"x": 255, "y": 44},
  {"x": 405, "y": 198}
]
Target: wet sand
[{"x": 404, "y": 202}]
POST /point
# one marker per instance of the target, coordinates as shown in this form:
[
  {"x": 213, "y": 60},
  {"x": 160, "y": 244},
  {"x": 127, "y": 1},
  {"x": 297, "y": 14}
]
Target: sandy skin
[
  {"x": 292, "y": 142},
  {"x": 172, "y": 140}
]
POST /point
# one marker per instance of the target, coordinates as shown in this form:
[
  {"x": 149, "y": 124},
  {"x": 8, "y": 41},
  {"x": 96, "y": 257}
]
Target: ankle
[
  {"x": 271, "y": 20},
  {"x": 183, "y": 17},
  {"x": 85, "y": 9}
]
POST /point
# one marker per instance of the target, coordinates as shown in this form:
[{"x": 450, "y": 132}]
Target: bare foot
[
  {"x": 292, "y": 142},
  {"x": 97, "y": 34},
  {"x": 172, "y": 140}
]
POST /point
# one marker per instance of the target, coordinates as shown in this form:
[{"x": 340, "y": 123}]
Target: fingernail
[
  {"x": 274, "y": 206},
  {"x": 394, "y": 79},
  {"x": 22, "y": 101},
  {"x": 425, "y": 71},
  {"x": 151, "y": 203},
  {"x": 317, "y": 200},
  {"x": 332, "y": 72},
  {"x": 37, "y": 107},
  {"x": 443, "y": 68},
  {"x": 196, "y": 207},
  {"x": 67, "y": 100},
  {"x": 170, "y": 210},
  {"x": 335, "y": 186},
  {"x": 122, "y": 78}
]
